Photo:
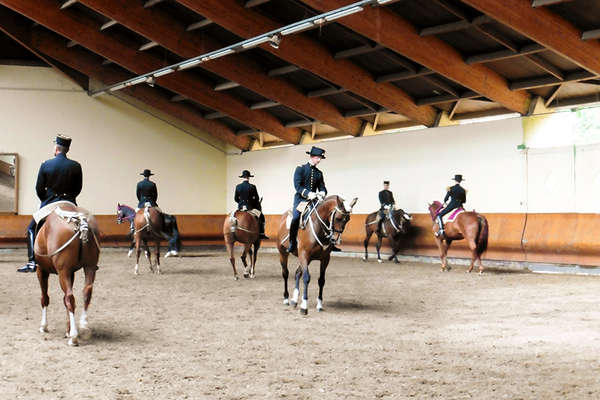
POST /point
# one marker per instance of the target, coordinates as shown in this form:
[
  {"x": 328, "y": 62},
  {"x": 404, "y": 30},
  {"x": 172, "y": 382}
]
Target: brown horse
[
  {"x": 63, "y": 245},
  {"x": 148, "y": 225},
  {"x": 394, "y": 227},
  {"x": 241, "y": 226},
  {"x": 471, "y": 226},
  {"x": 329, "y": 218}
]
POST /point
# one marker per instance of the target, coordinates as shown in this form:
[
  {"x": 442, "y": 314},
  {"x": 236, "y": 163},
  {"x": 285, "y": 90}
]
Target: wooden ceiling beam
[
  {"x": 402, "y": 37},
  {"x": 43, "y": 43},
  {"x": 236, "y": 68},
  {"x": 309, "y": 54},
  {"x": 286, "y": 69},
  {"x": 403, "y": 75},
  {"x": 544, "y": 27},
  {"x": 504, "y": 54},
  {"x": 543, "y": 81},
  {"x": 448, "y": 98},
  {"x": 77, "y": 26}
]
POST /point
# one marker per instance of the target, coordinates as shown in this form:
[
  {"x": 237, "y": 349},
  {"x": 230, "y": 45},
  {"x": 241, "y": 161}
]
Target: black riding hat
[
  {"x": 63, "y": 140},
  {"x": 458, "y": 178},
  {"x": 147, "y": 173},
  {"x": 386, "y": 182},
  {"x": 246, "y": 174},
  {"x": 316, "y": 151}
]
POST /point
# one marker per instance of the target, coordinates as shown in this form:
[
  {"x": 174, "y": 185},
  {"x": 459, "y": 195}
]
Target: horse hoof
[
  {"x": 246, "y": 276},
  {"x": 43, "y": 329},
  {"x": 129, "y": 253},
  {"x": 73, "y": 342},
  {"x": 252, "y": 276},
  {"x": 304, "y": 311},
  {"x": 379, "y": 260},
  {"x": 364, "y": 259},
  {"x": 320, "y": 309},
  {"x": 286, "y": 302},
  {"x": 295, "y": 304},
  {"x": 235, "y": 278}
]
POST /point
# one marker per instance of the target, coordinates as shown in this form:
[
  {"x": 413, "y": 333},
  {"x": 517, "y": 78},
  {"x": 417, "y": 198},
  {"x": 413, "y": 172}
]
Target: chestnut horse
[
  {"x": 393, "y": 227},
  {"x": 467, "y": 225},
  {"x": 329, "y": 218},
  {"x": 126, "y": 213},
  {"x": 64, "y": 244},
  {"x": 148, "y": 225},
  {"x": 241, "y": 226}
]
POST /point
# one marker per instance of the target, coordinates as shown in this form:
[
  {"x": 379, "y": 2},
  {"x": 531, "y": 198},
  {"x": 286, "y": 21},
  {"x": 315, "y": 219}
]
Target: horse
[
  {"x": 67, "y": 242},
  {"x": 393, "y": 227},
  {"x": 126, "y": 213},
  {"x": 148, "y": 225},
  {"x": 467, "y": 225},
  {"x": 327, "y": 218},
  {"x": 241, "y": 226}
]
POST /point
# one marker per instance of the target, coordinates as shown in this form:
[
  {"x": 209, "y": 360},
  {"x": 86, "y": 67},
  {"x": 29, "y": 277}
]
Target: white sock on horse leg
[
  {"x": 44, "y": 323},
  {"x": 304, "y": 304},
  {"x": 83, "y": 322},
  {"x": 295, "y": 295},
  {"x": 319, "y": 304},
  {"x": 73, "y": 332}
]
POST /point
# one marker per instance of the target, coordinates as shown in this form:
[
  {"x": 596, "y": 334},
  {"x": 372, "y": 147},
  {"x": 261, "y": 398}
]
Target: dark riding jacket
[
  {"x": 247, "y": 195},
  {"x": 146, "y": 192},
  {"x": 386, "y": 198},
  {"x": 457, "y": 196},
  {"x": 59, "y": 179},
  {"x": 307, "y": 178}
]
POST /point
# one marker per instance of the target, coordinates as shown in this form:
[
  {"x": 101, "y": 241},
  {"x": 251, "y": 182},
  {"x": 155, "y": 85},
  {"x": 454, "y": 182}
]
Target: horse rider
[
  {"x": 146, "y": 191},
  {"x": 309, "y": 183},
  {"x": 386, "y": 199},
  {"x": 247, "y": 198},
  {"x": 58, "y": 179},
  {"x": 457, "y": 196}
]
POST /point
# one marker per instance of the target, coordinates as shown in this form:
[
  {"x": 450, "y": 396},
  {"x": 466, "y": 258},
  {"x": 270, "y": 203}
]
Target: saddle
[
  {"x": 305, "y": 208},
  {"x": 450, "y": 217},
  {"x": 43, "y": 212}
]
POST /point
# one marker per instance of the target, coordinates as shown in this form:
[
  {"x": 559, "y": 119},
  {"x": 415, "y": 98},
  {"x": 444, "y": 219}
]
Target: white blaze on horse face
[
  {"x": 295, "y": 295},
  {"x": 44, "y": 323}
]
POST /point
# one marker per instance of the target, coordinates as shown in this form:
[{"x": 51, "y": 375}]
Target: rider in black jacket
[{"x": 457, "y": 196}]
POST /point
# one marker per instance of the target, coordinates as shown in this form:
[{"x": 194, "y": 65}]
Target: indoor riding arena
[{"x": 457, "y": 134}]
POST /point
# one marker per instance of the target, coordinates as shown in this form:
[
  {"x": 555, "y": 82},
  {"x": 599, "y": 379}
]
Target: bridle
[
  {"x": 120, "y": 218},
  {"x": 328, "y": 228}
]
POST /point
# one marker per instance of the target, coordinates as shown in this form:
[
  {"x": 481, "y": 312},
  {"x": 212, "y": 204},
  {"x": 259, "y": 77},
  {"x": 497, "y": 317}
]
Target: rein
[
  {"x": 329, "y": 229},
  {"x": 81, "y": 231}
]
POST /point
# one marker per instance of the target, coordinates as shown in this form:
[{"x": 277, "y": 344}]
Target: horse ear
[{"x": 353, "y": 202}]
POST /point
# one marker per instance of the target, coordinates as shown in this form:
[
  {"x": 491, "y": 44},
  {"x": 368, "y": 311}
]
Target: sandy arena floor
[{"x": 389, "y": 331}]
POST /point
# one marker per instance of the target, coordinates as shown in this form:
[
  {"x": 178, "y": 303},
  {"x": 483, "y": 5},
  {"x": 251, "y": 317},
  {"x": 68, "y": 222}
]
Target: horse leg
[
  {"x": 324, "y": 264},
  {"x": 243, "y": 257},
  {"x": 229, "y": 246},
  {"x": 149, "y": 257},
  {"x": 138, "y": 250},
  {"x": 306, "y": 279},
  {"x": 66, "y": 283},
  {"x": 473, "y": 248},
  {"x": 90, "y": 276},
  {"x": 45, "y": 300},
  {"x": 283, "y": 260},
  {"x": 366, "y": 243},
  {"x": 296, "y": 293},
  {"x": 131, "y": 247},
  {"x": 379, "y": 239},
  {"x": 158, "y": 256},
  {"x": 253, "y": 260},
  {"x": 440, "y": 246}
]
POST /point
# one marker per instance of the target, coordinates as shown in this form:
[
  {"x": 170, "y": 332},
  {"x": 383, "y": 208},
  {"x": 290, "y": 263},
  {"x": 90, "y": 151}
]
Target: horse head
[
  {"x": 434, "y": 207},
  {"x": 403, "y": 220},
  {"x": 340, "y": 214},
  {"x": 124, "y": 213}
]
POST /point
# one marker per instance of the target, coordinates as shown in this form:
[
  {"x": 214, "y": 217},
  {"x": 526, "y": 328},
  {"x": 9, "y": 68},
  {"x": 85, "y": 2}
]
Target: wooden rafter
[
  {"x": 238, "y": 69},
  {"x": 190, "y": 85},
  {"x": 431, "y": 52},
  {"x": 43, "y": 43},
  {"x": 308, "y": 54},
  {"x": 543, "y": 26}
]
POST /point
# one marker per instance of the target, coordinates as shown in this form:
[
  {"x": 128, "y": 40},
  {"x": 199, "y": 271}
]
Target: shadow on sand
[{"x": 345, "y": 305}]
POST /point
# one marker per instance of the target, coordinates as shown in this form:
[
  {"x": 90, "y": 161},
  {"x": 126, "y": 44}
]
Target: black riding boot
[
  {"x": 294, "y": 235},
  {"x": 440, "y": 231},
  {"x": 30, "y": 266}
]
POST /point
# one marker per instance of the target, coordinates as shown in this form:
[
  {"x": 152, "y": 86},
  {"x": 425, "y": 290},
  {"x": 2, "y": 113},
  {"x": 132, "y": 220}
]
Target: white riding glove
[
  {"x": 321, "y": 194},
  {"x": 312, "y": 195}
]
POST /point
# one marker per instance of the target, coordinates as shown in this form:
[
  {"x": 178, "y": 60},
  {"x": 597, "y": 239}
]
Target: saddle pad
[
  {"x": 450, "y": 217},
  {"x": 47, "y": 210},
  {"x": 254, "y": 212}
]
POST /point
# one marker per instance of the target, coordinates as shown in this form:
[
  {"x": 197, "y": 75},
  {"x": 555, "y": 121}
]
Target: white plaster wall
[
  {"x": 112, "y": 140},
  {"x": 419, "y": 164}
]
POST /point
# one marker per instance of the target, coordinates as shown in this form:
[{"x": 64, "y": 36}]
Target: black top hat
[
  {"x": 316, "y": 151},
  {"x": 146, "y": 173},
  {"x": 458, "y": 178},
  {"x": 246, "y": 174},
  {"x": 386, "y": 182},
  {"x": 63, "y": 140}
]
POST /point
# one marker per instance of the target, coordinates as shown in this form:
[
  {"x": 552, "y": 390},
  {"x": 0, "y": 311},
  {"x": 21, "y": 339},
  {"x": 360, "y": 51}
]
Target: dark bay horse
[
  {"x": 67, "y": 242},
  {"x": 467, "y": 225},
  {"x": 241, "y": 226},
  {"x": 148, "y": 225},
  {"x": 394, "y": 227},
  {"x": 325, "y": 223}
]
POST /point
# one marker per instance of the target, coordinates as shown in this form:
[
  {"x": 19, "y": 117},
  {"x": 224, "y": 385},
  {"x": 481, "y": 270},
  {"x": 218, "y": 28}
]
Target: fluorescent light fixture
[
  {"x": 141, "y": 79},
  {"x": 255, "y": 42},
  {"x": 221, "y": 54},
  {"x": 380, "y": 2},
  {"x": 163, "y": 72},
  {"x": 343, "y": 13},
  {"x": 189, "y": 64},
  {"x": 118, "y": 87},
  {"x": 297, "y": 28}
]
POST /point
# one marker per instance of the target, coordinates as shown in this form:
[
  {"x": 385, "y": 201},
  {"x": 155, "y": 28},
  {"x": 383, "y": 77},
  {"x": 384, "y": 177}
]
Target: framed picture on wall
[{"x": 9, "y": 183}]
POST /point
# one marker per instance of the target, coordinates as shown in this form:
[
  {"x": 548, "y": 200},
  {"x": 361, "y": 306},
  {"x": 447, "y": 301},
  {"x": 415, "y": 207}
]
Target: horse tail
[{"x": 482, "y": 237}]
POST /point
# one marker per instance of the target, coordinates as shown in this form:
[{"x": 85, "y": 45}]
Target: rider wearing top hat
[
  {"x": 308, "y": 181},
  {"x": 457, "y": 196},
  {"x": 58, "y": 179},
  {"x": 386, "y": 199},
  {"x": 146, "y": 191},
  {"x": 247, "y": 198}
]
